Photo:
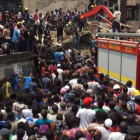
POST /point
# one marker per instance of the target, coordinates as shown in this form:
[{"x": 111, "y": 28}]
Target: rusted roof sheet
[{"x": 131, "y": 2}]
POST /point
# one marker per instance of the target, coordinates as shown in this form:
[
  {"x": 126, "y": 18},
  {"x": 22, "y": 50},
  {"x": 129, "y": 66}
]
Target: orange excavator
[{"x": 96, "y": 11}]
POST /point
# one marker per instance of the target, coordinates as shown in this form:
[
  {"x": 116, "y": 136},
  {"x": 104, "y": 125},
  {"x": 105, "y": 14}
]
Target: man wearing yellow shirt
[{"x": 6, "y": 86}]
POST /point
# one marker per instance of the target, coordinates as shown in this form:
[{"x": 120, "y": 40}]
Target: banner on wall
[{"x": 17, "y": 69}]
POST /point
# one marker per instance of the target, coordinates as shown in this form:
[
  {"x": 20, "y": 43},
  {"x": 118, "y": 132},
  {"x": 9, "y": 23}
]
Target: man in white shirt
[
  {"x": 116, "y": 22},
  {"x": 74, "y": 80},
  {"x": 28, "y": 112},
  {"x": 60, "y": 71},
  {"x": 86, "y": 115},
  {"x": 119, "y": 135}
]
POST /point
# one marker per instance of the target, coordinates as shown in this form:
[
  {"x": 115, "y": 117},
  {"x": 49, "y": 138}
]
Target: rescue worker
[
  {"x": 26, "y": 14},
  {"x": 68, "y": 28}
]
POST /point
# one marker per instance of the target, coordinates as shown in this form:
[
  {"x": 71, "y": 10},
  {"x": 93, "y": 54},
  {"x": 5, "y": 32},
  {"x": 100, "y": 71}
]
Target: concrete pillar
[
  {"x": 119, "y": 4},
  {"x": 123, "y": 9}
]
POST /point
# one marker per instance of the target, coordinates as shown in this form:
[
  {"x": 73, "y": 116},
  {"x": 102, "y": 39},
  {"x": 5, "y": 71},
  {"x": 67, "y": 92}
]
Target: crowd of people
[
  {"x": 22, "y": 32},
  {"x": 69, "y": 100}
]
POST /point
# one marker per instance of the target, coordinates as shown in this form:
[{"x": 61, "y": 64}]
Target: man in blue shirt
[
  {"x": 28, "y": 80},
  {"x": 15, "y": 83},
  {"x": 42, "y": 121},
  {"x": 16, "y": 37},
  {"x": 58, "y": 57}
]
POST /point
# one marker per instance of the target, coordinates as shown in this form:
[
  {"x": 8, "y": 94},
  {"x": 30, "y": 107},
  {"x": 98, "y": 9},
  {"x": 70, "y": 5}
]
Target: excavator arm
[{"x": 93, "y": 12}]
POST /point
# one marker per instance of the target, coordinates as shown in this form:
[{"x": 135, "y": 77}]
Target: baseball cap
[
  {"x": 116, "y": 86},
  {"x": 87, "y": 101},
  {"x": 108, "y": 123},
  {"x": 58, "y": 65},
  {"x": 131, "y": 106},
  {"x": 26, "y": 8},
  {"x": 43, "y": 129},
  {"x": 135, "y": 92},
  {"x": 89, "y": 91},
  {"x": 62, "y": 104},
  {"x": 18, "y": 23},
  {"x": 67, "y": 87}
]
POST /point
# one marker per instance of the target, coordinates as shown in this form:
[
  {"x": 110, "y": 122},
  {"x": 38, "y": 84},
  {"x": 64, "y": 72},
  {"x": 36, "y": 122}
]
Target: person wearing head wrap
[
  {"x": 85, "y": 114},
  {"x": 5, "y": 134}
]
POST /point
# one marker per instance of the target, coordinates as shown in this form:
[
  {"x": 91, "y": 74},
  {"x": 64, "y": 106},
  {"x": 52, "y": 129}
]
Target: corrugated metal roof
[{"x": 132, "y": 2}]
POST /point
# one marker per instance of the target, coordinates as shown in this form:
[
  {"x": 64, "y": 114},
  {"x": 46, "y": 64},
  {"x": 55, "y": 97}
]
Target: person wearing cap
[
  {"x": 5, "y": 134},
  {"x": 60, "y": 72},
  {"x": 116, "y": 89},
  {"x": 68, "y": 28},
  {"x": 119, "y": 135},
  {"x": 16, "y": 37},
  {"x": 62, "y": 108},
  {"x": 25, "y": 14},
  {"x": 86, "y": 115}
]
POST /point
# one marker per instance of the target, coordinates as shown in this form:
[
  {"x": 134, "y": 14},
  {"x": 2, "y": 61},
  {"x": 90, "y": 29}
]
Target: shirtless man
[
  {"x": 6, "y": 34},
  {"x": 84, "y": 70},
  {"x": 66, "y": 74}
]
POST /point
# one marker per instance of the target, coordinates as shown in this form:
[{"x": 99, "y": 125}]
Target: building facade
[{"x": 11, "y": 5}]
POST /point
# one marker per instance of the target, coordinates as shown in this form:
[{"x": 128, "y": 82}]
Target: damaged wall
[
  {"x": 21, "y": 63},
  {"x": 49, "y": 5}
]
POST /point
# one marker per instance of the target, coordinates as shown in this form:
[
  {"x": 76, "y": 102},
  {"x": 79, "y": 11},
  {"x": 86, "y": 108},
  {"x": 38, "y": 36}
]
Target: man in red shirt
[
  {"x": 53, "y": 67},
  {"x": 36, "y": 16}
]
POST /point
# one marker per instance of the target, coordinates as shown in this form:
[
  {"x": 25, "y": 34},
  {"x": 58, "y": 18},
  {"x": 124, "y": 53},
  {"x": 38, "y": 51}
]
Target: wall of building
[
  {"x": 22, "y": 64},
  {"x": 49, "y": 5}
]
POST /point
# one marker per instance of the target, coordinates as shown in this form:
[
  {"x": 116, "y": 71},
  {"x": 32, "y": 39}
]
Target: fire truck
[{"x": 120, "y": 59}]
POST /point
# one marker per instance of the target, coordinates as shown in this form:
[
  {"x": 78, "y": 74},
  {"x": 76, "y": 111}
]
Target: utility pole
[
  {"x": 87, "y": 5},
  {"x": 119, "y": 5}
]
